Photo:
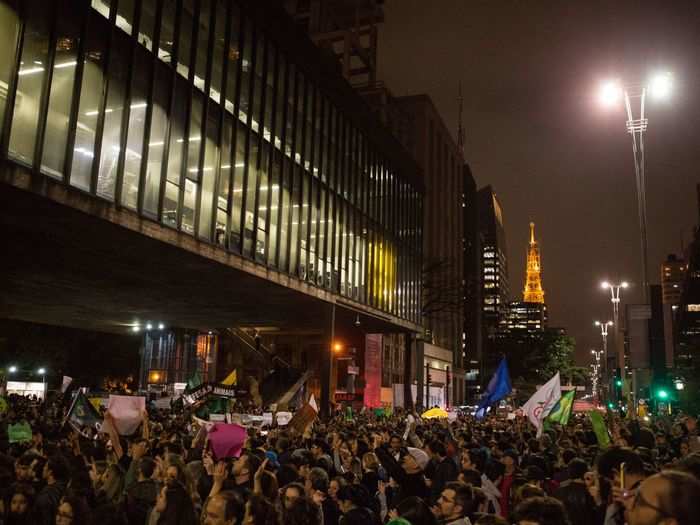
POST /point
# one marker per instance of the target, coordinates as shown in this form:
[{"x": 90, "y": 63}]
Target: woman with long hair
[{"x": 173, "y": 506}]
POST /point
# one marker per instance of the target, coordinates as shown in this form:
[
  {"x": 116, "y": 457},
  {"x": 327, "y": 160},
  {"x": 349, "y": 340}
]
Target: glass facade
[{"x": 191, "y": 113}]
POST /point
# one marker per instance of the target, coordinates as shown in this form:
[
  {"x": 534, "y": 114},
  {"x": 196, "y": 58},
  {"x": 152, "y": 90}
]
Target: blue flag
[{"x": 498, "y": 388}]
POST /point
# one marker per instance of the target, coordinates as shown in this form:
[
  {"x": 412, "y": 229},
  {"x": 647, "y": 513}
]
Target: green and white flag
[{"x": 562, "y": 412}]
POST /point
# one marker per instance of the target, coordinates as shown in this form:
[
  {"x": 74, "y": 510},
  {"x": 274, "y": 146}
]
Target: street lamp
[
  {"x": 12, "y": 369},
  {"x": 614, "y": 296},
  {"x": 42, "y": 373},
  {"x": 604, "y": 325},
  {"x": 610, "y": 93}
]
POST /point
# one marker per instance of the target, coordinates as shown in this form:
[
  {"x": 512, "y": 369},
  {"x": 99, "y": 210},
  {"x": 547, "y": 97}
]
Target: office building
[{"x": 199, "y": 163}]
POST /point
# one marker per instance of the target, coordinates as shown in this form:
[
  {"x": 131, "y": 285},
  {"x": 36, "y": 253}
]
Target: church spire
[{"x": 533, "y": 292}]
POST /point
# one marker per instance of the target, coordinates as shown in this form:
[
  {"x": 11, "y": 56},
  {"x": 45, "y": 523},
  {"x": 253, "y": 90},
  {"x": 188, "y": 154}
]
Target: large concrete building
[{"x": 200, "y": 166}]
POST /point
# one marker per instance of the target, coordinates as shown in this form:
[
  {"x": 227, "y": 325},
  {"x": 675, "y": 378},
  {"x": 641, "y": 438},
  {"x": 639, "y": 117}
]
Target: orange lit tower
[{"x": 533, "y": 292}]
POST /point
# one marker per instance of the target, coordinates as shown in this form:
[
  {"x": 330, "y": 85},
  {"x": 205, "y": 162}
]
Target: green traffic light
[
  {"x": 662, "y": 394},
  {"x": 611, "y": 405},
  {"x": 618, "y": 382}
]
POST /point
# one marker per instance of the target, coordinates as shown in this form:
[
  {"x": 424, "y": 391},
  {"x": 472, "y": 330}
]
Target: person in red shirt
[{"x": 510, "y": 462}]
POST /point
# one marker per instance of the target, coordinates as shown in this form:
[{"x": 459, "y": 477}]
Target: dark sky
[{"x": 529, "y": 71}]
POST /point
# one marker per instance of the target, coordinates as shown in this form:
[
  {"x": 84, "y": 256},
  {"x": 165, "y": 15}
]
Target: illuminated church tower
[{"x": 533, "y": 292}]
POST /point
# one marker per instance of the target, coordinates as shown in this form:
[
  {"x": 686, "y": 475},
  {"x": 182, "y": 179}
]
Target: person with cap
[{"x": 408, "y": 473}]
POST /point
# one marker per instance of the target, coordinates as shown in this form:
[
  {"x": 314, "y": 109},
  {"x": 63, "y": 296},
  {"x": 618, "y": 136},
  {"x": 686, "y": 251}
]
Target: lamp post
[
  {"x": 659, "y": 87},
  {"x": 596, "y": 371},
  {"x": 604, "y": 325},
  {"x": 614, "y": 296}
]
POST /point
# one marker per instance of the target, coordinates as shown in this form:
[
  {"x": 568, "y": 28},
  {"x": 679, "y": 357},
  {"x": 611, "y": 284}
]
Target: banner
[
  {"x": 562, "y": 412},
  {"x": 373, "y": 370},
  {"x": 19, "y": 433},
  {"x": 231, "y": 379},
  {"x": 542, "y": 402},
  {"x": 206, "y": 389}
]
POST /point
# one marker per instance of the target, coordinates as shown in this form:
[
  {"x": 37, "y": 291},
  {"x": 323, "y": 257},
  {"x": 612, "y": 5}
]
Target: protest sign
[
  {"x": 19, "y": 432},
  {"x": 283, "y": 418},
  {"x": 302, "y": 418}
]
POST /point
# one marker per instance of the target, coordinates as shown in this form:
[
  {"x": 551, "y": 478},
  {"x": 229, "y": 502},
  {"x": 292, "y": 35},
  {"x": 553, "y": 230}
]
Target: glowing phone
[{"x": 622, "y": 475}]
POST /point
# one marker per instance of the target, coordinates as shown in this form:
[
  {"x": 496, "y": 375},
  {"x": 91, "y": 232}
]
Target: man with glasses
[
  {"x": 455, "y": 503},
  {"x": 667, "y": 498}
]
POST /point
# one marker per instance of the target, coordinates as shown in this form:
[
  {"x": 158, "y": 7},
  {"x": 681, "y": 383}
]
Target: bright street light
[
  {"x": 661, "y": 85},
  {"x": 610, "y": 93},
  {"x": 41, "y": 371},
  {"x": 12, "y": 369}
]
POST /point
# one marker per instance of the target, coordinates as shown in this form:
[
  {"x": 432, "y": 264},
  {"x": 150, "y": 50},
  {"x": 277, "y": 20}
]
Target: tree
[
  {"x": 535, "y": 358},
  {"x": 442, "y": 291}
]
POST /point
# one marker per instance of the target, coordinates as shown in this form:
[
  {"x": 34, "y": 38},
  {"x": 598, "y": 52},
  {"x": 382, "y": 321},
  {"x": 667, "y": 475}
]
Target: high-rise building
[
  {"x": 494, "y": 284},
  {"x": 471, "y": 337},
  {"x": 523, "y": 316},
  {"x": 672, "y": 275}
]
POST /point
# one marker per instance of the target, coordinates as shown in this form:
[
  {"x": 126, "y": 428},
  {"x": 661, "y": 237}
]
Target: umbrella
[{"x": 434, "y": 412}]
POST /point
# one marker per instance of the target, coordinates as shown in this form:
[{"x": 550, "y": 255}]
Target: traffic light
[
  {"x": 618, "y": 382},
  {"x": 618, "y": 378},
  {"x": 611, "y": 405},
  {"x": 662, "y": 393}
]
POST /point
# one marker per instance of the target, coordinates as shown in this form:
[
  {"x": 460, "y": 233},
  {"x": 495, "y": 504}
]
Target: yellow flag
[
  {"x": 96, "y": 402},
  {"x": 231, "y": 379}
]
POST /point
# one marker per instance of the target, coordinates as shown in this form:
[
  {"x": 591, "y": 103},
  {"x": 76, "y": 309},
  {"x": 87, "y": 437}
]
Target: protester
[{"x": 357, "y": 467}]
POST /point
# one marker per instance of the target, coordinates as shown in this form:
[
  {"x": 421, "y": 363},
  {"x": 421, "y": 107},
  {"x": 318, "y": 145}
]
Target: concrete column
[
  {"x": 407, "y": 365},
  {"x": 326, "y": 368},
  {"x": 420, "y": 374}
]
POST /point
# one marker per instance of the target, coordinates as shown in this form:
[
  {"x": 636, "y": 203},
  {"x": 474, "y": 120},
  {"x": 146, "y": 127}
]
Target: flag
[
  {"x": 227, "y": 440},
  {"x": 231, "y": 379},
  {"x": 542, "y": 402},
  {"x": 312, "y": 402},
  {"x": 66, "y": 383},
  {"x": 499, "y": 387},
  {"x": 194, "y": 381},
  {"x": 127, "y": 412},
  {"x": 562, "y": 412},
  {"x": 82, "y": 413},
  {"x": 19, "y": 432},
  {"x": 601, "y": 431}
]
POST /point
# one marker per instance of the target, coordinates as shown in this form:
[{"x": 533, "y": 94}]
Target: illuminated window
[{"x": 693, "y": 308}]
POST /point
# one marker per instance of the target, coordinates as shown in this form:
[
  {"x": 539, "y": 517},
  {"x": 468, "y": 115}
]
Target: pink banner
[{"x": 373, "y": 370}]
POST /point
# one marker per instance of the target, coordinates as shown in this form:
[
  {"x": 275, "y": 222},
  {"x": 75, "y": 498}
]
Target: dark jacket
[
  {"x": 445, "y": 471},
  {"x": 409, "y": 484},
  {"x": 359, "y": 516},
  {"x": 47, "y": 502},
  {"x": 140, "y": 499}
]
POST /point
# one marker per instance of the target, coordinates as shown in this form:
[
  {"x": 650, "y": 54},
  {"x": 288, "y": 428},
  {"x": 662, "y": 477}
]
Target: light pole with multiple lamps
[
  {"x": 604, "y": 325},
  {"x": 611, "y": 92},
  {"x": 615, "y": 299},
  {"x": 596, "y": 372}
]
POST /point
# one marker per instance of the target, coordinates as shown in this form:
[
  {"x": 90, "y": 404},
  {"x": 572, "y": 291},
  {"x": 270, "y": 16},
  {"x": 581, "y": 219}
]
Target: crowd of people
[{"x": 366, "y": 469}]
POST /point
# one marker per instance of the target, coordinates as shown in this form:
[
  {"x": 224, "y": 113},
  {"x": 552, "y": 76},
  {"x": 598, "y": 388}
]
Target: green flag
[
  {"x": 562, "y": 411},
  {"x": 601, "y": 431},
  {"x": 348, "y": 414},
  {"x": 194, "y": 381},
  {"x": 19, "y": 433}
]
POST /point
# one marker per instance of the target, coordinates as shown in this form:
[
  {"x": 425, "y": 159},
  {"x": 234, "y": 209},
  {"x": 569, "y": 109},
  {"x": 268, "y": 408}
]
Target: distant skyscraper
[
  {"x": 672, "y": 275},
  {"x": 494, "y": 268},
  {"x": 533, "y": 292}
]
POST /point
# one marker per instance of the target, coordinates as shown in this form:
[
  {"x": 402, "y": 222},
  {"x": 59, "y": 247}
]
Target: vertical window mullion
[
  {"x": 46, "y": 90},
  {"x": 249, "y": 117},
  {"x": 271, "y": 156},
  {"x": 259, "y": 160},
  {"x": 127, "y": 107},
  {"x": 6, "y": 124}
]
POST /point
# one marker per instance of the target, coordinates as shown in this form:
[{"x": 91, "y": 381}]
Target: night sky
[{"x": 535, "y": 132}]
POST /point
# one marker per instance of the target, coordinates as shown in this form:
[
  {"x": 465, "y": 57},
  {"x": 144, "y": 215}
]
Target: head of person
[
  {"x": 414, "y": 460},
  {"x": 22, "y": 499},
  {"x": 72, "y": 510},
  {"x": 318, "y": 448},
  {"x": 146, "y": 468},
  {"x": 225, "y": 508},
  {"x": 456, "y": 500},
  {"x": 526, "y": 491},
  {"x": 510, "y": 461},
  {"x": 260, "y": 511},
  {"x": 578, "y": 502},
  {"x": 353, "y": 496},
  {"x": 303, "y": 511},
  {"x": 491, "y": 519},
  {"x": 577, "y": 469},
  {"x": 667, "y": 498},
  {"x": 55, "y": 469},
  {"x": 292, "y": 492},
  {"x": 244, "y": 468},
  {"x": 317, "y": 481},
  {"x": 540, "y": 511},
  {"x": 609, "y": 466},
  {"x": 174, "y": 503},
  {"x": 416, "y": 511},
  {"x": 335, "y": 485},
  {"x": 24, "y": 467},
  {"x": 370, "y": 462},
  {"x": 395, "y": 443},
  {"x": 437, "y": 450}
]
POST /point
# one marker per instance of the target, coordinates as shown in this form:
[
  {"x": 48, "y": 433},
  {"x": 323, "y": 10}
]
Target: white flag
[
  {"x": 66, "y": 383},
  {"x": 312, "y": 402},
  {"x": 542, "y": 402}
]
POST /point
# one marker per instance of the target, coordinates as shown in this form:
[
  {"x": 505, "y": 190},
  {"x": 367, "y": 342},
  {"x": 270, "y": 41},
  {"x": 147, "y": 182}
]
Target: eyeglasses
[{"x": 641, "y": 501}]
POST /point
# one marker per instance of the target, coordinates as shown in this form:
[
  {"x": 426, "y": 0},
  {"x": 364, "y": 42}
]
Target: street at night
[{"x": 338, "y": 262}]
